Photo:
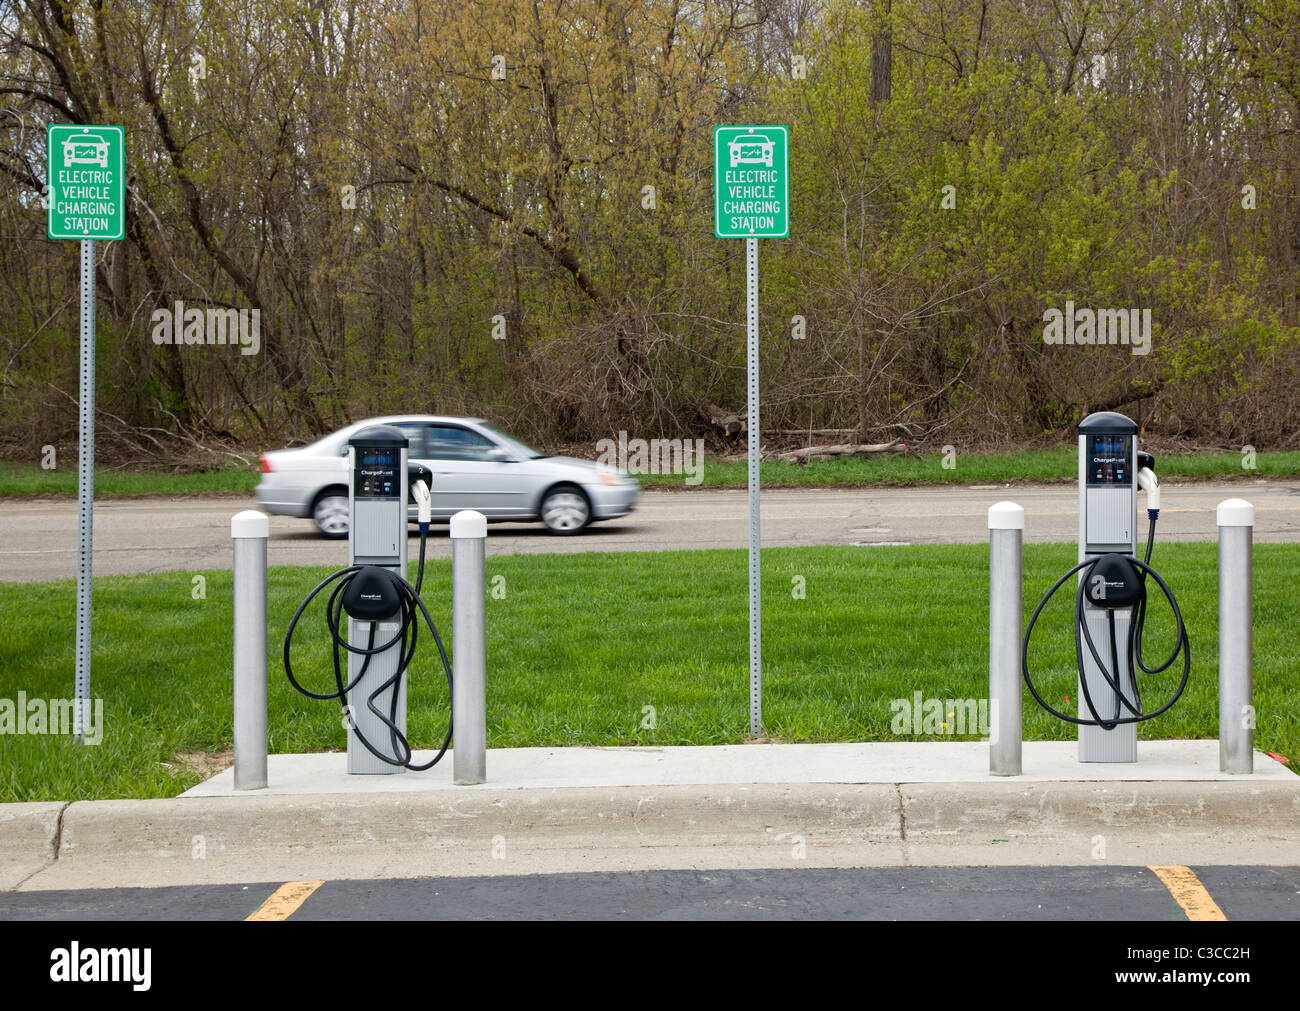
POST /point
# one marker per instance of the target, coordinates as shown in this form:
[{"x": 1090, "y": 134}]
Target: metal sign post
[
  {"x": 86, "y": 193},
  {"x": 752, "y": 201},
  {"x": 755, "y": 539},
  {"x": 85, "y": 483}
]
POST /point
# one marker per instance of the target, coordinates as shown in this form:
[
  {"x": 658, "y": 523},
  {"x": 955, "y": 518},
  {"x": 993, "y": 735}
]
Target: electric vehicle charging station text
[
  {"x": 1110, "y": 603},
  {"x": 383, "y": 609}
]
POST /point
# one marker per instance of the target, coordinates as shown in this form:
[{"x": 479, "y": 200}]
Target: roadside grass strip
[
  {"x": 931, "y": 467},
  {"x": 25, "y": 480}
]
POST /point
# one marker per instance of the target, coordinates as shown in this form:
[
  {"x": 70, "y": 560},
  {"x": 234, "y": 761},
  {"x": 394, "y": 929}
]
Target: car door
[{"x": 467, "y": 476}]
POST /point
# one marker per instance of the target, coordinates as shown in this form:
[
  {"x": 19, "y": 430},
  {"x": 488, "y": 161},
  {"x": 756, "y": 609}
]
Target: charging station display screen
[
  {"x": 376, "y": 473},
  {"x": 1108, "y": 460}
]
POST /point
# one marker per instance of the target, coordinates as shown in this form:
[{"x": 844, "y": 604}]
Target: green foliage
[{"x": 385, "y": 180}]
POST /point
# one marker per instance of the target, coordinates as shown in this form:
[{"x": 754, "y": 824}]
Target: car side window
[
  {"x": 415, "y": 433},
  {"x": 451, "y": 442}
]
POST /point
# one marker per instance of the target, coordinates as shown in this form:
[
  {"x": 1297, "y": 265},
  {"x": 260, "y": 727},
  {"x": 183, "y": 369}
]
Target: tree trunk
[{"x": 882, "y": 72}]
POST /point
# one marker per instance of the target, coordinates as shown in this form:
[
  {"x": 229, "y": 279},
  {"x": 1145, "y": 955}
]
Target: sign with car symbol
[
  {"x": 751, "y": 173},
  {"x": 86, "y": 182}
]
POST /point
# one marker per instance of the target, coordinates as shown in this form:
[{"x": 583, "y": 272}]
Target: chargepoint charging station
[
  {"x": 383, "y": 609},
  {"x": 1111, "y": 599}
]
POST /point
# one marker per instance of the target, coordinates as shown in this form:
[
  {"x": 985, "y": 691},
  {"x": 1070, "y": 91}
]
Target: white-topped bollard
[
  {"x": 469, "y": 647},
  {"x": 1006, "y": 533},
  {"x": 248, "y": 530},
  {"x": 1236, "y": 519}
]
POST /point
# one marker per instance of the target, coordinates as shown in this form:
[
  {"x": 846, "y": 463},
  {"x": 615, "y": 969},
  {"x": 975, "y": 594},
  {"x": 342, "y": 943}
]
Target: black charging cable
[
  {"x": 409, "y": 609},
  {"x": 1083, "y": 635}
]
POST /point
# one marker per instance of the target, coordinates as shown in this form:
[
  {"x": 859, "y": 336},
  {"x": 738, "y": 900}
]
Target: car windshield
[{"x": 520, "y": 449}]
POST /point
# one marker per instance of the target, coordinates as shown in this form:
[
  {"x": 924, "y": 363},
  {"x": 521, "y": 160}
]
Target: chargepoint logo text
[
  {"x": 52, "y": 716},
  {"x": 179, "y": 325},
  {"x": 656, "y": 456},
  {"x": 1130, "y": 327},
  {"x": 75, "y": 964}
]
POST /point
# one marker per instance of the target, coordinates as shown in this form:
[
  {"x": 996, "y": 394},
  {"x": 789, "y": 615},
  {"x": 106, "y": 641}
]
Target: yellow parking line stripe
[
  {"x": 1188, "y": 892},
  {"x": 285, "y": 900}
]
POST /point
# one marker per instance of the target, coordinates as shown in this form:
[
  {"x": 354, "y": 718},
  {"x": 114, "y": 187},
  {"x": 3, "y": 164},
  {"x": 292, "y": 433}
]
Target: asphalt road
[
  {"x": 38, "y": 539},
  {"x": 1096, "y": 893}
]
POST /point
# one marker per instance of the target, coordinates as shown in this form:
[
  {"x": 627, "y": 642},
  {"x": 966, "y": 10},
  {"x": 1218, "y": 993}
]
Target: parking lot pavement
[{"x": 879, "y": 893}]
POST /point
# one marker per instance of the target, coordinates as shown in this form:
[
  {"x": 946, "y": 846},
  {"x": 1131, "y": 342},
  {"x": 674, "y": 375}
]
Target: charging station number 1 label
[
  {"x": 751, "y": 182},
  {"x": 87, "y": 184}
]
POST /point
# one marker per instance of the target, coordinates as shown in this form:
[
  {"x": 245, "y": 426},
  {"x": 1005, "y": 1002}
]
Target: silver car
[{"x": 475, "y": 466}]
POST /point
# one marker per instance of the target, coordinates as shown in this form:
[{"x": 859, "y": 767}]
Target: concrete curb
[
  {"x": 29, "y": 839},
  {"x": 118, "y": 843},
  {"x": 1124, "y": 823}
]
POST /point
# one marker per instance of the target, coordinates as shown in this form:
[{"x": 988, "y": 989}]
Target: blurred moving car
[{"x": 475, "y": 466}]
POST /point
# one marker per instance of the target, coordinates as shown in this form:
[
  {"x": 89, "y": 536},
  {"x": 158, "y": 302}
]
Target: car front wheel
[
  {"x": 565, "y": 510},
  {"x": 331, "y": 514}
]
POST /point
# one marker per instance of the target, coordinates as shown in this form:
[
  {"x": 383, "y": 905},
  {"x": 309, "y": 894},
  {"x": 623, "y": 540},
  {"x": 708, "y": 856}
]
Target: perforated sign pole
[
  {"x": 755, "y": 540},
  {"x": 86, "y": 197},
  {"x": 751, "y": 201},
  {"x": 85, "y": 483}
]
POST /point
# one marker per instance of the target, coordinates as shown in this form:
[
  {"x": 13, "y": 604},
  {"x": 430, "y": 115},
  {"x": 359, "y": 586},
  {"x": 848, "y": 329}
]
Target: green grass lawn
[
  {"x": 27, "y": 479},
  {"x": 581, "y": 644},
  {"x": 927, "y": 468},
  {"x": 20, "y": 480}
]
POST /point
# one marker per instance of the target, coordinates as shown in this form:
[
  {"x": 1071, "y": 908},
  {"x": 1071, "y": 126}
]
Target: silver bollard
[
  {"x": 1006, "y": 532},
  {"x": 469, "y": 647},
  {"x": 248, "y": 529},
  {"x": 1236, "y": 518}
]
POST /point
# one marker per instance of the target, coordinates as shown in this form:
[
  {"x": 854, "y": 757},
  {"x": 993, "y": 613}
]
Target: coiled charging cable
[
  {"x": 1129, "y": 699},
  {"x": 408, "y": 607}
]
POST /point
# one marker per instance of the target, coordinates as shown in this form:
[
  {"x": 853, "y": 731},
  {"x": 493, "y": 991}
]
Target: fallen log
[
  {"x": 843, "y": 449},
  {"x": 728, "y": 423},
  {"x": 809, "y": 431}
]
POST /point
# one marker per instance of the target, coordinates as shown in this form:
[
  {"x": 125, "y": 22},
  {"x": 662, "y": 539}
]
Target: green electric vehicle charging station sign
[
  {"x": 86, "y": 200},
  {"x": 751, "y": 182},
  {"x": 87, "y": 182},
  {"x": 751, "y": 201}
]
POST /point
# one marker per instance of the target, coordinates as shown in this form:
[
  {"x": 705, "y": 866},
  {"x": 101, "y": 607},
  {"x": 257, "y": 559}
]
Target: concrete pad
[
  {"x": 738, "y": 764},
  {"x": 29, "y": 834}
]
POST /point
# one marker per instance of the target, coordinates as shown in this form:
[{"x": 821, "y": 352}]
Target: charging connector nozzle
[
  {"x": 1150, "y": 484},
  {"x": 423, "y": 504}
]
